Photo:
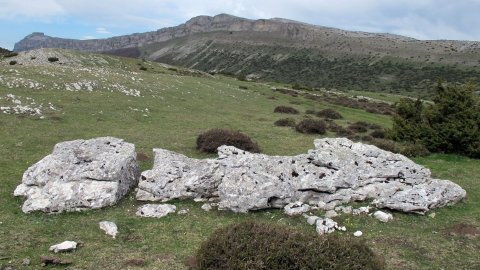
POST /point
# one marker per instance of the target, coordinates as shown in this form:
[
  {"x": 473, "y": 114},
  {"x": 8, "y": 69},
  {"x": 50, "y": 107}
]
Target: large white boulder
[
  {"x": 80, "y": 175},
  {"x": 337, "y": 171}
]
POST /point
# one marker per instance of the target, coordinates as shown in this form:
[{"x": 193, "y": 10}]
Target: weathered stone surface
[
  {"x": 64, "y": 246},
  {"x": 331, "y": 214},
  {"x": 206, "y": 207},
  {"x": 296, "y": 208},
  {"x": 382, "y": 216},
  {"x": 358, "y": 233},
  {"x": 155, "y": 210},
  {"x": 325, "y": 226},
  {"x": 336, "y": 172},
  {"x": 79, "y": 175},
  {"x": 109, "y": 228}
]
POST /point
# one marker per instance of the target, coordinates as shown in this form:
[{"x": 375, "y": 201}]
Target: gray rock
[
  {"x": 296, "y": 208},
  {"x": 183, "y": 212},
  {"x": 64, "y": 246},
  {"x": 344, "y": 209},
  {"x": 206, "y": 207},
  {"x": 331, "y": 214},
  {"x": 382, "y": 216},
  {"x": 109, "y": 228},
  {"x": 358, "y": 233},
  {"x": 361, "y": 210},
  {"x": 80, "y": 175},
  {"x": 325, "y": 226},
  {"x": 155, "y": 210},
  {"x": 312, "y": 219},
  {"x": 336, "y": 172},
  {"x": 26, "y": 262}
]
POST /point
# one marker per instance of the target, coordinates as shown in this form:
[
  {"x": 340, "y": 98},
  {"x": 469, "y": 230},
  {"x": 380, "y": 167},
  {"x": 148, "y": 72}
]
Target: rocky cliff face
[{"x": 222, "y": 22}]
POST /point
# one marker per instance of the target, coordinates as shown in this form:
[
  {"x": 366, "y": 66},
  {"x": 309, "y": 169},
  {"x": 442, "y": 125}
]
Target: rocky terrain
[{"x": 292, "y": 52}]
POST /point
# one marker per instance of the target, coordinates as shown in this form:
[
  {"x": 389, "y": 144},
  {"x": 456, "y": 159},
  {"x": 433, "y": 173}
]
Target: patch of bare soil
[{"x": 462, "y": 229}]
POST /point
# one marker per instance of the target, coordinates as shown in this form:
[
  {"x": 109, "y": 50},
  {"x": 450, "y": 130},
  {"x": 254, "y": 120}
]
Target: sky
[{"x": 89, "y": 19}]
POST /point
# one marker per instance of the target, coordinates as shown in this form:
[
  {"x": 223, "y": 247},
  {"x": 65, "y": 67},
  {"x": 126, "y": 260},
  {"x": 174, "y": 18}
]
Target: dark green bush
[
  {"x": 210, "y": 140},
  {"x": 311, "y": 126},
  {"x": 387, "y": 145},
  {"x": 10, "y": 54},
  {"x": 12, "y": 63},
  {"x": 285, "y": 109},
  {"x": 451, "y": 124},
  {"x": 285, "y": 122},
  {"x": 378, "y": 133},
  {"x": 143, "y": 68},
  {"x": 330, "y": 114},
  {"x": 358, "y": 127},
  {"x": 243, "y": 87},
  {"x": 52, "y": 59},
  {"x": 414, "y": 150},
  {"x": 252, "y": 245}
]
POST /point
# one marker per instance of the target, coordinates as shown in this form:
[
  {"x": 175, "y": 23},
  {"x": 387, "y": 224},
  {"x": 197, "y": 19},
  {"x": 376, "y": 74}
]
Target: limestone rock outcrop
[
  {"x": 336, "y": 172},
  {"x": 80, "y": 175}
]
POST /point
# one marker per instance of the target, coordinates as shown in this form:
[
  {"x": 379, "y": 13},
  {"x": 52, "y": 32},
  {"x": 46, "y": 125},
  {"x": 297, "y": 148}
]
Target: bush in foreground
[
  {"x": 311, "y": 126},
  {"x": 254, "y": 245},
  {"x": 52, "y": 59},
  {"x": 210, "y": 140},
  {"x": 285, "y": 109}
]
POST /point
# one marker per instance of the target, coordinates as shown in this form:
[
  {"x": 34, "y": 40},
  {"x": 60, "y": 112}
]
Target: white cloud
[
  {"x": 88, "y": 37},
  {"x": 418, "y": 18},
  {"x": 102, "y": 30}
]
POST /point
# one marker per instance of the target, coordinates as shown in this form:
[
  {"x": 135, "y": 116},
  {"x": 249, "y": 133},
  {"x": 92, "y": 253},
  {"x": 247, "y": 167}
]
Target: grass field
[{"x": 170, "y": 111}]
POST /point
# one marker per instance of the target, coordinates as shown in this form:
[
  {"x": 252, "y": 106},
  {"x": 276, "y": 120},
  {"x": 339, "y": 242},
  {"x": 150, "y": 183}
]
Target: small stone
[
  {"x": 325, "y": 226},
  {"x": 312, "y": 220},
  {"x": 26, "y": 262},
  {"x": 183, "y": 212},
  {"x": 331, "y": 214},
  {"x": 344, "y": 209},
  {"x": 361, "y": 210},
  {"x": 109, "y": 227},
  {"x": 206, "y": 207},
  {"x": 357, "y": 233},
  {"x": 199, "y": 200},
  {"x": 297, "y": 208},
  {"x": 64, "y": 247},
  {"x": 382, "y": 216},
  {"x": 432, "y": 215},
  {"x": 155, "y": 210},
  {"x": 342, "y": 228}
]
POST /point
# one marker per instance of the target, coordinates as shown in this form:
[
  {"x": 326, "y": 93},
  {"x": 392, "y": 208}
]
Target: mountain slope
[{"x": 293, "y": 52}]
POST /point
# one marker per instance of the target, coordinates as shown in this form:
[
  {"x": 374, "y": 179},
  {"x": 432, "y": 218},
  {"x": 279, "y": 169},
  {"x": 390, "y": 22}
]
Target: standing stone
[{"x": 80, "y": 175}]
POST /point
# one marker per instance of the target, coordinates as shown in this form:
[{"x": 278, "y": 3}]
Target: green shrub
[
  {"x": 285, "y": 122},
  {"x": 10, "y": 54},
  {"x": 358, "y": 127},
  {"x": 52, "y": 59},
  {"x": 330, "y": 114},
  {"x": 253, "y": 245},
  {"x": 13, "y": 62},
  {"x": 210, "y": 140},
  {"x": 311, "y": 126},
  {"x": 414, "y": 150},
  {"x": 378, "y": 133},
  {"x": 243, "y": 87},
  {"x": 143, "y": 68},
  {"x": 385, "y": 144},
  {"x": 451, "y": 124},
  {"x": 285, "y": 109}
]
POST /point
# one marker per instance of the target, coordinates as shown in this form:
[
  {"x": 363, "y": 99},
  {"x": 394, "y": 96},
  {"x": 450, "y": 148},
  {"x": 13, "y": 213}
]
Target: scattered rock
[
  {"x": 26, "y": 262},
  {"x": 296, "y": 208},
  {"x": 206, "y": 207},
  {"x": 312, "y": 219},
  {"x": 65, "y": 246},
  {"x": 337, "y": 171},
  {"x": 183, "y": 212},
  {"x": 344, "y": 209},
  {"x": 155, "y": 210},
  {"x": 109, "y": 227},
  {"x": 325, "y": 226},
  {"x": 432, "y": 215},
  {"x": 361, "y": 210},
  {"x": 382, "y": 216},
  {"x": 53, "y": 261},
  {"x": 357, "y": 233},
  {"x": 80, "y": 175},
  {"x": 331, "y": 214}
]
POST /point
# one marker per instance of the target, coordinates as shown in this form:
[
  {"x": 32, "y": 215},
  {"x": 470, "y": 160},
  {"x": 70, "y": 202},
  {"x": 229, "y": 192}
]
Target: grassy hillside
[
  {"x": 157, "y": 106},
  {"x": 401, "y": 67}
]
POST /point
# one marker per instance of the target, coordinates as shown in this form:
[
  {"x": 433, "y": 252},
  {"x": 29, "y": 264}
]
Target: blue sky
[{"x": 86, "y": 19}]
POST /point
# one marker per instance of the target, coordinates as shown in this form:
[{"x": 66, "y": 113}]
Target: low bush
[
  {"x": 52, "y": 59},
  {"x": 378, "y": 133},
  {"x": 310, "y": 111},
  {"x": 311, "y": 126},
  {"x": 12, "y": 63},
  {"x": 387, "y": 145},
  {"x": 414, "y": 150},
  {"x": 10, "y": 54},
  {"x": 285, "y": 109},
  {"x": 210, "y": 140},
  {"x": 243, "y": 87},
  {"x": 253, "y": 245},
  {"x": 285, "y": 122},
  {"x": 143, "y": 68},
  {"x": 343, "y": 132},
  {"x": 358, "y": 127},
  {"x": 330, "y": 114}
]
